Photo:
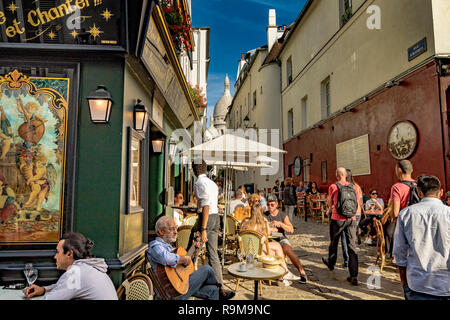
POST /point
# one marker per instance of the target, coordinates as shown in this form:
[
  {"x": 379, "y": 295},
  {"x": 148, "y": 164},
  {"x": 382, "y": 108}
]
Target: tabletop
[
  {"x": 318, "y": 200},
  {"x": 257, "y": 273},
  {"x": 374, "y": 212},
  {"x": 13, "y": 294}
]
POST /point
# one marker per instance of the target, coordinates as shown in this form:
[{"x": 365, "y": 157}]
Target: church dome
[{"x": 221, "y": 108}]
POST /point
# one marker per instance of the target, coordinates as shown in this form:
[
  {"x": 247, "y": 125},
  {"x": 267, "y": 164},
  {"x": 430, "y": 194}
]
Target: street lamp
[
  {"x": 100, "y": 105},
  {"x": 140, "y": 116},
  {"x": 158, "y": 145},
  {"x": 246, "y": 121}
]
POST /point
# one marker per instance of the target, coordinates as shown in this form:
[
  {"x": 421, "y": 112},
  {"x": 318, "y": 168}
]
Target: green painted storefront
[{"x": 96, "y": 179}]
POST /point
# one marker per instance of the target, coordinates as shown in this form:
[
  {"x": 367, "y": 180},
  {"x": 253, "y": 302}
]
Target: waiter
[{"x": 208, "y": 223}]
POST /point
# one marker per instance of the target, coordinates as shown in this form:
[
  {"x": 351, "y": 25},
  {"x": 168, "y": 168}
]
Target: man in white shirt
[
  {"x": 208, "y": 222},
  {"x": 237, "y": 201}
]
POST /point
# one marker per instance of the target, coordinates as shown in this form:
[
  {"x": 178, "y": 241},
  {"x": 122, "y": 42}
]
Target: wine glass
[{"x": 30, "y": 273}]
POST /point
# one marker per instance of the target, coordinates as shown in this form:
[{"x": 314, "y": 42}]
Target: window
[
  {"x": 345, "y": 11},
  {"x": 325, "y": 97},
  {"x": 290, "y": 123},
  {"x": 289, "y": 70},
  {"x": 254, "y": 99},
  {"x": 261, "y": 89},
  {"x": 304, "y": 113},
  {"x": 324, "y": 171}
]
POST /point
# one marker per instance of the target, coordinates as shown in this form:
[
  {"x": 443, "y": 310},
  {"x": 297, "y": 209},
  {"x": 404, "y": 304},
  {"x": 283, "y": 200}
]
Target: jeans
[
  {"x": 290, "y": 212},
  {"x": 348, "y": 228},
  {"x": 344, "y": 240},
  {"x": 202, "y": 285},
  {"x": 414, "y": 295},
  {"x": 212, "y": 232}
]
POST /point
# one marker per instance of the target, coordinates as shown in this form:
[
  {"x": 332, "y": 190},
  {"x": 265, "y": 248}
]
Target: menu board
[
  {"x": 354, "y": 155},
  {"x": 87, "y": 22}
]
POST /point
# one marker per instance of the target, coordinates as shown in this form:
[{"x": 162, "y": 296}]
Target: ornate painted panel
[{"x": 33, "y": 130}]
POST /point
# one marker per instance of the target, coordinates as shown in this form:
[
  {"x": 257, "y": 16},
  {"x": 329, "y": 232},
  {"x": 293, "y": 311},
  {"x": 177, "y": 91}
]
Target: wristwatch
[{"x": 203, "y": 229}]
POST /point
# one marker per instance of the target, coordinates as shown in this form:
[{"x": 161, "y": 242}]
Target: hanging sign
[{"x": 87, "y": 22}]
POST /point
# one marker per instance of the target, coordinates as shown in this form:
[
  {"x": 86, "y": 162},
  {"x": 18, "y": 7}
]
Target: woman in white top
[{"x": 178, "y": 213}]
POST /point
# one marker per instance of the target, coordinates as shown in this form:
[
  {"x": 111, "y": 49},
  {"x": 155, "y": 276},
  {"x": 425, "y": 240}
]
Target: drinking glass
[{"x": 30, "y": 273}]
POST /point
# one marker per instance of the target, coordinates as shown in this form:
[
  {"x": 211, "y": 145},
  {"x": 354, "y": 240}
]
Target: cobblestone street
[{"x": 310, "y": 242}]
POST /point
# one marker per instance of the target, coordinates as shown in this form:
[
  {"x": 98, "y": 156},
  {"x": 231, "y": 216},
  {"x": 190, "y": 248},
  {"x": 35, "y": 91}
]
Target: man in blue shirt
[
  {"x": 421, "y": 246},
  {"x": 202, "y": 283}
]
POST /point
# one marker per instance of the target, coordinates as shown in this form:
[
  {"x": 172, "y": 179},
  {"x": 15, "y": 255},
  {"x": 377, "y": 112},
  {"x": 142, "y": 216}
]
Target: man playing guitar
[{"x": 202, "y": 283}]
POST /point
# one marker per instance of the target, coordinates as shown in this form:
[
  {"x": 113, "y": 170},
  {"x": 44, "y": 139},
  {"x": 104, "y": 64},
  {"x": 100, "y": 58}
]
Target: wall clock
[{"x": 402, "y": 140}]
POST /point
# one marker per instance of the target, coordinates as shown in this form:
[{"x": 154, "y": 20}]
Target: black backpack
[
  {"x": 347, "y": 203},
  {"x": 413, "y": 192}
]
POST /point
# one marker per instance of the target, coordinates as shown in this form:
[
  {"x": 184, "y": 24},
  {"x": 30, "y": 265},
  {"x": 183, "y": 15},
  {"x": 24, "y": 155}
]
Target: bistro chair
[
  {"x": 325, "y": 214},
  {"x": 190, "y": 219},
  {"x": 159, "y": 288},
  {"x": 380, "y": 243},
  {"x": 137, "y": 287},
  {"x": 231, "y": 237},
  {"x": 184, "y": 232},
  {"x": 252, "y": 242},
  {"x": 315, "y": 207},
  {"x": 301, "y": 204},
  {"x": 241, "y": 213}
]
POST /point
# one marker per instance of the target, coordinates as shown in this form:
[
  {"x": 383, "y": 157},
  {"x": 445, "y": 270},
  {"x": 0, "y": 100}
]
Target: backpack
[
  {"x": 413, "y": 192},
  {"x": 347, "y": 203}
]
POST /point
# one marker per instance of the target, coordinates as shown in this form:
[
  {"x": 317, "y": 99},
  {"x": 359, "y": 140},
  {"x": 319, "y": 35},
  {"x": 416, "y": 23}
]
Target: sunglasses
[{"x": 374, "y": 193}]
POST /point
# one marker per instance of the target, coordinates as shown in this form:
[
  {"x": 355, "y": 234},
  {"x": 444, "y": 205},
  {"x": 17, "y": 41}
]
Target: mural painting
[{"x": 33, "y": 124}]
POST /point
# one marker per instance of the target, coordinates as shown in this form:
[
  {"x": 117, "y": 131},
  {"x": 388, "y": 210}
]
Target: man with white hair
[
  {"x": 202, "y": 283},
  {"x": 343, "y": 203}
]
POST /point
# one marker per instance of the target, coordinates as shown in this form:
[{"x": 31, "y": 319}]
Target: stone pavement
[{"x": 310, "y": 241}]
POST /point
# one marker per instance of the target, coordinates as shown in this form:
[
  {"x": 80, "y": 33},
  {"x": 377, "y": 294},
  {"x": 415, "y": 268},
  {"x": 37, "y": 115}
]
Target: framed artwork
[
  {"x": 402, "y": 140},
  {"x": 33, "y": 138},
  {"x": 135, "y": 170}
]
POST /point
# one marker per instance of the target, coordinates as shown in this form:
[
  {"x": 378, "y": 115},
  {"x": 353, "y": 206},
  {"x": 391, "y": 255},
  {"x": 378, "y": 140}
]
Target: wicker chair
[
  {"x": 380, "y": 243},
  {"x": 241, "y": 213},
  {"x": 252, "y": 242},
  {"x": 156, "y": 283},
  {"x": 137, "y": 287},
  {"x": 184, "y": 232},
  {"x": 190, "y": 219},
  {"x": 231, "y": 233},
  {"x": 314, "y": 207}
]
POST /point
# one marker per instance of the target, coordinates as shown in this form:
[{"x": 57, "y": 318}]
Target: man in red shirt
[
  {"x": 398, "y": 201},
  {"x": 341, "y": 224}
]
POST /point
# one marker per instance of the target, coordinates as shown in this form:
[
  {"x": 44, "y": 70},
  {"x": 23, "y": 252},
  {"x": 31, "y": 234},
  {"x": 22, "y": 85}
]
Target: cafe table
[
  {"x": 257, "y": 273},
  {"x": 14, "y": 294},
  {"x": 374, "y": 213}
]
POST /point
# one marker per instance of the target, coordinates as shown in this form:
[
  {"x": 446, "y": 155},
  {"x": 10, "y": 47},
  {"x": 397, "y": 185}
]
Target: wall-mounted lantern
[
  {"x": 140, "y": 117},
  {"x": 100, "y": 105}
]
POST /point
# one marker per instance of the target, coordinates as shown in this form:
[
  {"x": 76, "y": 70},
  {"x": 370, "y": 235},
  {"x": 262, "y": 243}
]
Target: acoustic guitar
[{"x": 175, "y": 281}]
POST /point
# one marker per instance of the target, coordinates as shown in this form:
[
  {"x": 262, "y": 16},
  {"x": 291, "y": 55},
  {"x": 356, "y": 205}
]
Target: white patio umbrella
[{"x": 231, "y": 151}]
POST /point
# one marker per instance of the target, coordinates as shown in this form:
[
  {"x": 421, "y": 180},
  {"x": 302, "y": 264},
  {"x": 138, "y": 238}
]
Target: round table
[
  {"x": 13, "y": 294},
  {"x": 257, "y": 274}
]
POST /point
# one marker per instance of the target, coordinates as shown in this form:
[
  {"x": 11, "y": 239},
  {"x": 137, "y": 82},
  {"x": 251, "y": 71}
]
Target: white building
[{"x": 257, "y": 99}]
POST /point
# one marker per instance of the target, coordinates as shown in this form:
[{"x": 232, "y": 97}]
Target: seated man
[
  {"x": 279, "y": 222},
  {"x": 85, "y": 277},
  {"x": 237, "y": 201},
  {"x": 202, "y": 283}
]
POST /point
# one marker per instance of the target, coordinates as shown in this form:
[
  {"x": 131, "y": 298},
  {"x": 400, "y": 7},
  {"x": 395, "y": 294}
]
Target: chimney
[{"x": 272, "y": 29}]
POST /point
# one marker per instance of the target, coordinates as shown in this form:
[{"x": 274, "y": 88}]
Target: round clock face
[
  {"x": 402, "y": 140},
  {"x": 297, "y": 166}
]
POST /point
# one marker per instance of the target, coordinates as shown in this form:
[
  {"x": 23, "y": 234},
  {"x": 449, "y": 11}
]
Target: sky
[{"x": 237, "y": 26}]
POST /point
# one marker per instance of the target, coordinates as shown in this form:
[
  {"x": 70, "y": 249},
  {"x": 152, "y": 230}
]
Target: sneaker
[
  {"x": 287, "y": 283},
  {"x": 353, "y": 280},
  {"x": 291, "y": 276},
  {"x": 303, "y": 278},
  {"x": 327, "y": 263}
]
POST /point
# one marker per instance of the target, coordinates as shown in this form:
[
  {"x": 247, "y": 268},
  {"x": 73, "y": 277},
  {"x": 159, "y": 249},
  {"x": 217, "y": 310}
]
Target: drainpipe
[{"x": 443, "y": 123}]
